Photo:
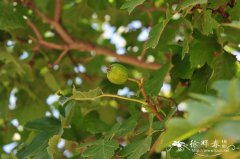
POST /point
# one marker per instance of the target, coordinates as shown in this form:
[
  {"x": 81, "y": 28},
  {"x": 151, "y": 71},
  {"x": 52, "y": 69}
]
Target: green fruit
[{"x": 117, "y": 74}]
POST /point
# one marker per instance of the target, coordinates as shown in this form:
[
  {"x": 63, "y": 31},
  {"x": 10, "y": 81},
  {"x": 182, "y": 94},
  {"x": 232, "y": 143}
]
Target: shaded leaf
[
  {"x": 203, "y": 112},
  {"x": 127, "y": 126},
  {"x": 93, "y": 123},
  {"x": 234, "y": 12},
  {"x": 50, "y": 79},
  {"x": 131, "y": 4},
  {"x": 3, "y": 156},
  {"x": 204, "y": 22},
  {"x": 177, "y": 129},
  {"x": 229, "y": 129},
  {"x": 52, "y": 148},
  {"x": 137, "y": 148},
  {"x": 200, "y": 56},
  {"x": 224, "y": 67},
  {"x": 9, "y": 58},
  {"x": 10, "y": 19},
  {"x": 102, "y": 149},
  {"x": 189, "y": 3},
  {"x": 182, "y": 68},
  {"x": 154, "y": 84},
  {"x": 97, "y": 5},
  {"x": 37, "y": 146},
  {"x": 155, "y": 34},
  {"x": 200, "y": 78},
  {"x": 43, "y": 124}
]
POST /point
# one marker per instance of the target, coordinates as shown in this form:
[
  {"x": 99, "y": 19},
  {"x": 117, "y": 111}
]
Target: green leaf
[
  {"x": 97, "y": 5},
  {"x": 155, "y": 34},
  {"x": 234, "y": 24},
  {"x": 177, "y": 129},
  {"x": 93, "y": 123},
  {"x": 229, "y": 129},
  {"x": 224, "y": 67},
  {"x": 7, "y": 57},
  {"x": 230, "y": 92},
  {"x": 102, "y": 149},
  {"x": 137, "y": 148},
  {"x": 182, "y": 68},
  {"x": 90, "y": 95},
  {"x": 96, "y": 94},
  {"x": 3, "y": 102},
  {"x": 127, "y": 126},
  {"x": 123, "y": 129},
  {"x": 52, "y": 149},
  {"x": 43, "y": 124},
  {"x": 200, "y": 56},
  {"x": 215, "y": 4},
  {"x": 69, "y": 112},
  {"x": 200, "y": 78},
  {"x": 112, "y": 132},
  {"x": 189, "y": 3},
  {"x": 203, "y": 112},
  {"x": 204, "y": 22},
  {"x": 187, "y": 36},
  {"x": 50, "y": 79},
  {"x": 131, "y": 4},
  {"x": 234, "y": 12},
  {"x": 185, "y": 48},
  {"x": 231, "y": 32},
  {"x": 154, "y": 84},
  {"x": 223, "y": 88},
  {"x": 3, "y": 156},
  {"x": 37, "y": 147},
  {"x": 10, "y": 19}
]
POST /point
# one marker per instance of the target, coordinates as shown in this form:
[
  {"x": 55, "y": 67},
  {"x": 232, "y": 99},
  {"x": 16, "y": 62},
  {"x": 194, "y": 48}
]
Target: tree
[{"x": 181, "y": 98}]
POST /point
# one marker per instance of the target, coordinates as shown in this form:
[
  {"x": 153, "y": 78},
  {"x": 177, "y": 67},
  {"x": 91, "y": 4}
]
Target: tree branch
[
  {"x": 34, "y": 29},
  {"x": 58, "y": 7},
  {"x": 60, "y": 57},
  {"x": 79, "y": 45},
  {"x": 61, "y": 32},
  {"x": 40, "y": 40}
]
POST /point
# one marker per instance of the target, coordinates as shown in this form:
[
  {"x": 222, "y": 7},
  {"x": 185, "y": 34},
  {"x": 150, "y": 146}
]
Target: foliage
[{"x": 183, "y": 66}]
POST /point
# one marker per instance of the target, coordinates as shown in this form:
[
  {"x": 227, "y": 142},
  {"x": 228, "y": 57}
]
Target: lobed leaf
[{"x": 102, "y": 149}]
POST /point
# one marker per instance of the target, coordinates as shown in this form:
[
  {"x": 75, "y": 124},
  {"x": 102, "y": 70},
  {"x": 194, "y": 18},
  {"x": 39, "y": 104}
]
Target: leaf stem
[
  {"x": 133, "y": 80},
  {"x": 122, "y": 97},
  {"x": 148, "y": 101}
]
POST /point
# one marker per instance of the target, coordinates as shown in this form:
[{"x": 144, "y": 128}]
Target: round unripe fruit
[{"x": 117, "y": 74}]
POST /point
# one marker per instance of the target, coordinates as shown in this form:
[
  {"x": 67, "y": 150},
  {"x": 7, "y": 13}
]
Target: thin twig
[
  {"x": 61, "y": 32},
  {"x": 40, "y": 40},
  {"x": 133, "y": 80},
  {"x": 51, "y": 45},
  {"x": 34, "y": 29},
  {"x": 60, "y": 57},
  {"x": 148, "y": 101},
  {"x": 144, "y": 50},
  {"x": 150, "y": 18},
  {"x": 58, "y": 7}
]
